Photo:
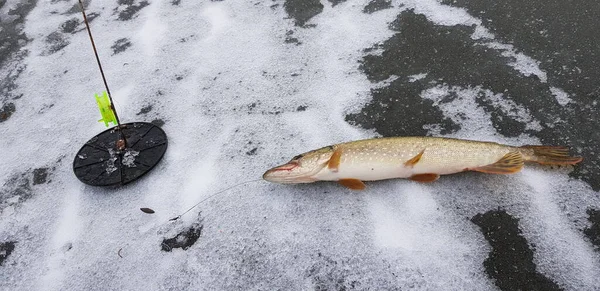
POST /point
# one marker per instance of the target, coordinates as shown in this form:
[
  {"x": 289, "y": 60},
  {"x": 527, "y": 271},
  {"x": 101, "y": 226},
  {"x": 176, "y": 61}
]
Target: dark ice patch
[
  {"x": 120, "y": 45},
  {"x": 593, "y": 232},
  {"x": 66, "y": 247},
  {"x": 290, "y": 39},
  {"x": 376, "y": 5},
  {"x": 184, "y": 239},
  {"x": 510, "y": 263},
  {"x": 75, "y": 25},
  {"x": 16, "y": 189},
  {"x": 450, "y": 57},
  {"x": 56, "y": 41},
  {"x": 158, "y": 122},
  {"x": 510, "y": 127},
  {"x": 6, "y": 111},
  {"x": 8, "y": 83},
  {"x": 302, "y": 10},
  {"x": 329, "y": 274},
  {"x": 503, "y": 123},
  {"x": 6, "y": 248},
  {"x": 175, "y": 2},
  {"x": 301, "y": 108},
  {"x": 11, "y": 30},
  {"x": 70, "y": 25},
  {"x": 145, "y": 109},
  {"x": 252, "y": 152},
  {"x": 563, "y": 36},
  {"x": 398, "y": 110},
  {"x": 45, "y": 108},
  {"x": 258, "y": 108},
  {"x": 128, "y": 9},
  {"x": 90, "y": 18},
  {"x": 40, "y": 176},
  {"x": 12, "y": 40},
  {"x": 76, "y": 8},
  {"x": 8, "y": 88},
  {"x": 336, "y": 2}
]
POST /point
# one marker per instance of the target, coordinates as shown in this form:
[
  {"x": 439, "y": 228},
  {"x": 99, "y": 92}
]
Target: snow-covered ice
[{"x": 236, "y": 97}]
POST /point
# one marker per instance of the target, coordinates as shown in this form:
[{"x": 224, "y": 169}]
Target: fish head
[{"x": 301, "y": 168}]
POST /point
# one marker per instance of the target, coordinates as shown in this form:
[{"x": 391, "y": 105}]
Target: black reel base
[{"x": 100, "y": 162}]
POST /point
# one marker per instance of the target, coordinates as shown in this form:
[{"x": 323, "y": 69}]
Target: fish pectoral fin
[
  {"x": 334, "y": 161},
  {"x": 424, "y": 178},
  {"x": 354, "y": 184},
  {"x": 510, "y": 163},
  {"x": 414, "y": 160}
]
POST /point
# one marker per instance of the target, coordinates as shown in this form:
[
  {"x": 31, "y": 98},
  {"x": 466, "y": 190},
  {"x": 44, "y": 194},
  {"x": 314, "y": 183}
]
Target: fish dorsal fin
[
  {"x": 354, "y": 184},
  {"x": 510, "y": 163},
  {"x": 425, "y": 178},
  {"x": 414, "y": 160},
  {"x": 334, "y": 161}
]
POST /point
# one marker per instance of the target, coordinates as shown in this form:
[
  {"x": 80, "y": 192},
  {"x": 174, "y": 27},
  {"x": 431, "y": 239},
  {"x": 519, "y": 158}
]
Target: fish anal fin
[
  {"x": 354, "y": 184},
  {"x": 424, "y": 178},
  {"x": 334, "y": 161},
  {"x": 510, "y": 163},
  {"x": 414, "y": 160}
]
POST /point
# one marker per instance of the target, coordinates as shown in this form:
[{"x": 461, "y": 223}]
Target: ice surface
[{"x": 236, "y": 99}]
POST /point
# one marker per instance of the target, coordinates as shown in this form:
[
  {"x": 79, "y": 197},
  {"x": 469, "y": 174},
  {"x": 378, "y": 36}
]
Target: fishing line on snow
[{"x": 213, "y": 195}]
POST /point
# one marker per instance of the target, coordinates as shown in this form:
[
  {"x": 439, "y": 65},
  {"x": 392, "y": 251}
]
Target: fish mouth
[{"x": 284, "y": 174}]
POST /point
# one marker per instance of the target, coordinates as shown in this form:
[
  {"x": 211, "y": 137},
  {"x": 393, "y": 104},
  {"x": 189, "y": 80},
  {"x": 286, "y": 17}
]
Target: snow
[
  {"x": 561, "y": 96},
  {"x": 417, "y": 77},
  {"x": 223, "y": 80}
]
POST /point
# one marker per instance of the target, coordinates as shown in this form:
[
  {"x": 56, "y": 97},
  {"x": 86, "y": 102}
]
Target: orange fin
[
  {"x": 414, "y": 160},
  {"x": 510, "y": 163},
  {"x": 354, "y": 184},
  {"x": 552, "y": 155},
  {"x": 424, "y": 178},
  {"x": 334, "y": 161}
]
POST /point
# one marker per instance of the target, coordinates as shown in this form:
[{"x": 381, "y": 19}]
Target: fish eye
[{"x": 297, "y": 157}]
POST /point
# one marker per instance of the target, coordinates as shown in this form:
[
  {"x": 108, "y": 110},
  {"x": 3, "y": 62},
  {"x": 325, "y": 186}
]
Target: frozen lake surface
[{"x": 241, "y": 86}]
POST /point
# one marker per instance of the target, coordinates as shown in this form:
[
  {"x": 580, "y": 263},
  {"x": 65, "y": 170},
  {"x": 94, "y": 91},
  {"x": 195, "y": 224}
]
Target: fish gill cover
[{"x": 240, "y": 86}]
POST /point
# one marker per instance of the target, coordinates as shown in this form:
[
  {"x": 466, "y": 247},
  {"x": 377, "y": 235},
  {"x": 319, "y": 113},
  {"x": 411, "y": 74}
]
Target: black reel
[{"x": 120, "y": 156}]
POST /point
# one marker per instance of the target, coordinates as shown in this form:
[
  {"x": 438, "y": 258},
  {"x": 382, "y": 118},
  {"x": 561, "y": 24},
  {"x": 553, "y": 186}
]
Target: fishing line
[
  {"x": 213, "y": 195},
  {"x": 158, "y": 227}
]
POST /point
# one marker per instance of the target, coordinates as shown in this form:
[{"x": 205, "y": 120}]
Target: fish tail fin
[{"x": 548, "y": 155}]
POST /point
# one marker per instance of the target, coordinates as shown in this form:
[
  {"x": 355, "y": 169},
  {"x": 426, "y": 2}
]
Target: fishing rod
[
  {"x": 123, "y": 153},
  {"x": 122, "y": 143}
]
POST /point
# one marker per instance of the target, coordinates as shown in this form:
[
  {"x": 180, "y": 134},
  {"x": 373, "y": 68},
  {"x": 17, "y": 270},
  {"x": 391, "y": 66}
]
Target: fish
[{"x": 421, "y": 159}]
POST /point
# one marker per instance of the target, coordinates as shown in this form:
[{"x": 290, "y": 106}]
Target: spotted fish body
[
  {"x": 388, "y": 158},
  {"x": 422, "y": 159}
]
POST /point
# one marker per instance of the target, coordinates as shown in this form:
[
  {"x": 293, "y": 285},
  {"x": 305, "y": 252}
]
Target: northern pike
[{"x": 421, "y": 159}]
